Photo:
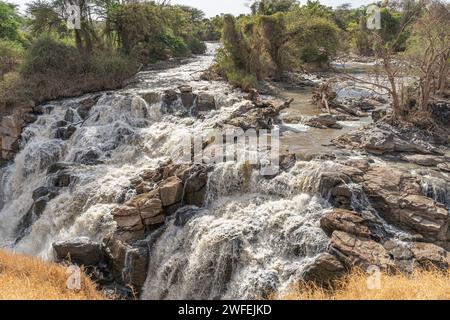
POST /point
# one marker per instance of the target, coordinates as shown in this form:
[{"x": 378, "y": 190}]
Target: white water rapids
[{"x": 254, "y": 237}]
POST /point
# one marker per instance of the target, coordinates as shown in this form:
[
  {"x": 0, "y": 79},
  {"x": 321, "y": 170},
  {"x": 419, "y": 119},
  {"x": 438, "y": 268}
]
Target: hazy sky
[{"x": 213, "y": 7}]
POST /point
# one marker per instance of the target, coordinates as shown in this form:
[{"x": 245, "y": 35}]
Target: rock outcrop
[
  {"x": 323, "y": 121},
  {"x": 398, "y": 198},
  {"x": 256, "y": 115},
  {"x": 347, "y": 221},
  {"x": 381, "y": 139},
  {"x": 81, "y": 251},
  {"x": 127, "y": 263},
  {"x": 360, "y": 252},
  {"x": 205, "y": 102},
  {"x": 160, "y": 193},
  {"x": 425, "y": 160},
  {"x": 11, "y": 129},
  {"x": 324, "y": 270}
]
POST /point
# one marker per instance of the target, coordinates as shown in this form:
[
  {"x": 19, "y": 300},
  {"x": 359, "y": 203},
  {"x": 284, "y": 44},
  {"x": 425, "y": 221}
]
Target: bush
[
  {"x": 53, "y": 57},
  {"x": 197, "y": 46},
  {"x": 226, "y": 68},
  {"x": 112, "y": 65},
  {"x": 11, "y": 55},
  {"x": 317, "y": 41},
  {"x": 54, "y": 69}
]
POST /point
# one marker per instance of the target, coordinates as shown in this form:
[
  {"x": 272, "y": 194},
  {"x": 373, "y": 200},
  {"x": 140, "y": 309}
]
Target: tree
[
  {"x": 10, "y": 22},
  {"x": 385, "y": 46},
  {"x": 269, "y": 7},
  {"x": 45, "y": 19},
  {"x": 429, "y": 52}
]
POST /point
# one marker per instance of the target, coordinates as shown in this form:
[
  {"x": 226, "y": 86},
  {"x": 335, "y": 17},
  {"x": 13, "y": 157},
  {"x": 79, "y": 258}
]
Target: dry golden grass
[
  {"x": 26, "y": 278},
  {"x": 421, "y": 285}
]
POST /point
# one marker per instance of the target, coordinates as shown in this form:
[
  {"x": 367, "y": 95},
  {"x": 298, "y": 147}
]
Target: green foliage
[
  {"x": 313, "y": 8},
  {"x": 10, "y": 22},
  {"x": 269, "y": 7},
  {"x": 260, "y": 46},
  {"x": 226, "y": 67},
  {"x": 197, "y": 46},
  {"x": 212, "y": 28},
  {"x": 153, "y": 32},
  {"x": 11, "y": 54},
  {"x": 52, "y": 57},
  {"x": 45, "y": 19}
]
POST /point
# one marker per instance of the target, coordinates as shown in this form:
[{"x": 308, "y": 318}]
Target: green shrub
[
  {"x": 50, "y": 56},
  {"x": 11, "y": 55},
  {"x": 197, "y": 46},
  {"x": 112, "y": 65},
  {"x": 225, "y": 67},
  {"x": 10, "y": 22}
]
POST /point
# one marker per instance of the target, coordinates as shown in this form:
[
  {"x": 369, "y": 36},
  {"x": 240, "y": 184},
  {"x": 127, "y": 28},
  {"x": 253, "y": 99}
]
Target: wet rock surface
[
  {"x": 160, "y": 193},
  {"x": 382, "y": 138},
  {"x": 81, "y": 251},
  {"x": 256, "y": 115}
]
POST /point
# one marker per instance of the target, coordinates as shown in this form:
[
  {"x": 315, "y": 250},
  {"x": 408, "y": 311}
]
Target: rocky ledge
[{"x": 159, "y": 193}]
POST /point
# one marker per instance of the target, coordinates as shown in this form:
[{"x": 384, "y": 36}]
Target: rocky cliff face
[{"x": 11, "y": 129}]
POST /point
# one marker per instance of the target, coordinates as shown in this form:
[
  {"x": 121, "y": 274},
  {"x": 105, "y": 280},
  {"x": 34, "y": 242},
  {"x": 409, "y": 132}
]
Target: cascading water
[
  {"x": 243, "y": 245},
  {"x": 122, "y": 136}
]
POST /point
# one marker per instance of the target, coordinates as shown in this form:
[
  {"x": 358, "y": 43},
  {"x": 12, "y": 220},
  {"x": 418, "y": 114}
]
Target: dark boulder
[
  {"x": 65, "y": 133},
  {"x": 81, "y": 251}
]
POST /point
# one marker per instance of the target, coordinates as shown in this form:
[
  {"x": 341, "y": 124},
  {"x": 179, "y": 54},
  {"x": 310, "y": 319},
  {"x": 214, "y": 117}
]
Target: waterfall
[
  {"x": 254, "y": 236},
  {"x": 243, "y": 245},
  {"x": 121, "y": 135}
]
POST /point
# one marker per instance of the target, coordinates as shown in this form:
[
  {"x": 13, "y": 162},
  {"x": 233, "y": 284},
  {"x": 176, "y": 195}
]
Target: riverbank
[
  {"x": 28, "y": 278},
  {"x": 421, "y": 285}
]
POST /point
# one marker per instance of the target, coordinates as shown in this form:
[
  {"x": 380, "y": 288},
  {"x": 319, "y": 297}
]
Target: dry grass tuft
[
  {"x": 27, "y": 278},
  {"x": 430, "y": 284}
]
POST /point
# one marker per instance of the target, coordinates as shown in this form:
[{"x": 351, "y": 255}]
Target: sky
[{"x": 236, "y": 7}]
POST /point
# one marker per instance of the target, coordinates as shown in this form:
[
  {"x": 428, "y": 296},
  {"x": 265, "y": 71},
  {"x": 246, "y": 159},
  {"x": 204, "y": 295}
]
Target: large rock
[
  {"x": 81, "y": 251},
  {"x": 85, "y": 106},
  {"x": 444, "y": 167},
  {"x": 346, "y": 221},
  {"x": 425, "y": 160},
  {"x": 65, "y": 133},
  {"x": 135, "y": 215},
  {"x": 10, "y": 131},
  {"x": 426, "y": 254},
  {"x": 259, "y": 115},
  {"x": 382, "y": 139},
  {"x": 63, "y": 178},
  {"x": 160, "y": 193},
  {"x": 397, "y": 197},
  {"x": 323, "y": 121},
  {"x": 169, "y": 96},
  {"x": 187, "y": 96},
  {"x": 128, "y": 264},
  {"x": 195, "y": 179},
  {"x": 205, "y": 102},
  {"x": 360, "y": 252},
  {"x": 151, "y": 97},
  {"x": 171, "y": 191},
  {"x": 324, "y": 270}
]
